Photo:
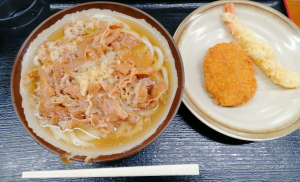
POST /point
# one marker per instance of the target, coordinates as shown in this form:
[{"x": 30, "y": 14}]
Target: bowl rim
[{"x": 127, "y": 10}]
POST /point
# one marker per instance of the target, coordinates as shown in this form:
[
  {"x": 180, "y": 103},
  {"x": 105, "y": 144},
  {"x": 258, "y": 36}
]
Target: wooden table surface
[{"x": 185, "y": 141}]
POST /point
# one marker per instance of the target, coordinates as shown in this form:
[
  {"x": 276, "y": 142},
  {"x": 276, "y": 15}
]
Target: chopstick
[{"x": 159, "y": 170}]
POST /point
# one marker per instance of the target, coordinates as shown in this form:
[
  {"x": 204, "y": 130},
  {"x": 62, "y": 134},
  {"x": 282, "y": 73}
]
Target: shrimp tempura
[{"x": 260, "y": 52}]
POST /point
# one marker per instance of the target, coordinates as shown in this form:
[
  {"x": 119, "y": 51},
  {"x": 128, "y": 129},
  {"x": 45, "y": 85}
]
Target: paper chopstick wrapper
[{"x": 160, "y": 170}]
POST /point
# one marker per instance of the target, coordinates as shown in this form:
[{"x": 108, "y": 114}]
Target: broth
[{"x": 113, "y": 141}]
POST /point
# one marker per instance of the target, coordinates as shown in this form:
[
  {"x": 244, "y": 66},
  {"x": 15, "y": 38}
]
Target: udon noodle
[{"x": 98, "y": 81}]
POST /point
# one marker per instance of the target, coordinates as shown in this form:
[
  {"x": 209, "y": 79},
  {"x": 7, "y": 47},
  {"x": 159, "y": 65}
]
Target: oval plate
[{"x": 274, "y": 111}]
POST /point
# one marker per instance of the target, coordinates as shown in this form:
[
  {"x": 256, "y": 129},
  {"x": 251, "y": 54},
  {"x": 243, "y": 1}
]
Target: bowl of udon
[{"x": 97, "y": 82}]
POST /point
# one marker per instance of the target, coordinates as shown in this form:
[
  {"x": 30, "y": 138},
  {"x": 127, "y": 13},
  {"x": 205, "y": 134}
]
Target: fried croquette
[{"x": 229, "y": 74}]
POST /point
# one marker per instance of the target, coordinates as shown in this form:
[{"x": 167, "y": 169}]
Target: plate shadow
[{"x": 206, "y": 131}]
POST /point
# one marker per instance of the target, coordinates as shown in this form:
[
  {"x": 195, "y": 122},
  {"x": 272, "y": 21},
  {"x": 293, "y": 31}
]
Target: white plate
[{"x": 274, "y": 111}]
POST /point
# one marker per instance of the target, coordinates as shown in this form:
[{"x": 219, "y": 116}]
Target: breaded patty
[{"x": 229, "y": 74}]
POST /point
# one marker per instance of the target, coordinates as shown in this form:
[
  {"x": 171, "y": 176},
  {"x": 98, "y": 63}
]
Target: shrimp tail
[{"x": 229, "y": 8}]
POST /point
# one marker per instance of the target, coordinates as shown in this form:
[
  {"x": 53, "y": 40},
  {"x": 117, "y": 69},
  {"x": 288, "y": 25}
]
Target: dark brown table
[{"x": 185, "y": 141}]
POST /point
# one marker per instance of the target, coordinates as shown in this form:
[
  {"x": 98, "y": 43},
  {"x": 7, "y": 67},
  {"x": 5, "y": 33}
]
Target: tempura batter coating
[
  {"x": 229, "y": 74},
  {"x": 261, "y": 53}
]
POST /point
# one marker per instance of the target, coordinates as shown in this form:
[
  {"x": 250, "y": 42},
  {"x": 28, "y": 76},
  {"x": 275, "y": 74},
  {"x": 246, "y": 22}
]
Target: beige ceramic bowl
[{"x": 120, "y": 8}]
